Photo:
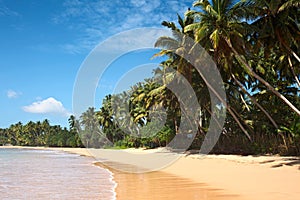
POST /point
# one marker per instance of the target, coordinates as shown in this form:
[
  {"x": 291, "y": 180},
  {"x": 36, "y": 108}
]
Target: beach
[
  {"x": 193, "y": 176},
  {"x": 249, "y": 177},
  {"x": 233, "y": 176}
]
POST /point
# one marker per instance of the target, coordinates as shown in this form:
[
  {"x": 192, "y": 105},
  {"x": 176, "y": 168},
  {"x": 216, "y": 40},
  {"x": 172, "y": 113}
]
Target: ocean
[{"x": 46, "y": 174}]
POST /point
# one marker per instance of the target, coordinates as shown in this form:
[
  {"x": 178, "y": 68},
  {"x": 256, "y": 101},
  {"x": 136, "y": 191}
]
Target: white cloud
[
  {"x": 97, "y": 20},
  {"x": 131, "y": 40},
  {"x": 13, "y": 94},
  {"x": 5, "y": 11},
  {"x": 138, "y": 3},
  {"x": 50, "y": 105}
]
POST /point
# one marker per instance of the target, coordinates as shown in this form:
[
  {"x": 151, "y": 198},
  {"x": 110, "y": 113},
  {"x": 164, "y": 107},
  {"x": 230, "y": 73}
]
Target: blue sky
[{"x": 44, "y": 43}]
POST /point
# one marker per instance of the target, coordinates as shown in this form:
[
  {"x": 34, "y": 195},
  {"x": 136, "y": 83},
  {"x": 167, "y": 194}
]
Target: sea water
[{"x": 46, "y": 174}]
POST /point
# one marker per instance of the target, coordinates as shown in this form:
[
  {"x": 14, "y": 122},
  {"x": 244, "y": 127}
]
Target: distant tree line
[{"x": 39, "y": 134}]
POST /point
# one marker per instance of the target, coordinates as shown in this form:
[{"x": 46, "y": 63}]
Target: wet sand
[{"x": 162, "y": 186}]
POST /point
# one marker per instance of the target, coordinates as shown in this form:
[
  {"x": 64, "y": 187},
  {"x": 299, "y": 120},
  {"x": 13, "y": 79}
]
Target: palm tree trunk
[
  {"x": 213, "y": 116},
  {"x": 176, "y": 126},
  {"x": 289, "y": 59},
  {"x": 252, "y": 73},
  {"x": 295, "y": 55},
  {"x": 228, "y": 107},
  {"x": 286, "y": 46},
  {"x": 238, "y": 121},
  {"x": 293, "y": 71},
  {"x": 255, "y": 102}
]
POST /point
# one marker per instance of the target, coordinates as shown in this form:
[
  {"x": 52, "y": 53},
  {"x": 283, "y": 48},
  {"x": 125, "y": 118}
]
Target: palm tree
[
  {"x": 277, "y": 20},
  {"x": 181, "y": 46},
  {"x": 176, "y": 47},
  {"x": 3, "y": 137},
  {"x": 105, "y": 114},
  {"x": 105, "y": 117},
  {"x": 16, "y": 134},
  {"x": 277, "y": 25},
  {"x": 72, "y": 122},
  {"x": 91, "y": 127},
  {"x": 221, "y": 30}
]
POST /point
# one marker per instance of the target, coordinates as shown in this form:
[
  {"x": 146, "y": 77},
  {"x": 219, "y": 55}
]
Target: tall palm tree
[
  {"x": 180, "y": 47},
  {"x": 105, "y": 115},
  {"x": 176, "y": 47},
  {"x": 220, "y": 28},
  {"x": 72, "y": 122},
  {"x": 276, "y": 24},
  {"x": 89, "y": 119},
  {"x": 91, "y": 127},
  {"x": 277, "y": 20},
  {"x": 108, "y": 117}
]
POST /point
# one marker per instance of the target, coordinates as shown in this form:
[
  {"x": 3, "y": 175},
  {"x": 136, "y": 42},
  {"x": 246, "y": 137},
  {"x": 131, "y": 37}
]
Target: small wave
[
  {"x": 63, "y": 156},
  {"x": 41, "y": 172},
  {"x": 111, "y": 179},
  {"x": 4, "y": 186}
]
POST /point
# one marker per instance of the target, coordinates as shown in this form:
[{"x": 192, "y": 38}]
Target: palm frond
[
  {"x": 177, "y": 35},
  {"x": 157, "y": 91},
  {"x": 180, "y": 21},
  {"x": 170, "y": 25},
  {"x": 166, "y": 43},
  {"x": 192, "y": 27},
  {"x": 214, "y": 37},
  {"x": 289, "y": 4},
  {"x": 243, "y": 10},
  {"x": 201, "y": 3},
  {"x": 163, "y": 53},
  {"x": 211, "y": 11},
  {"x": 200, "y": 30}
]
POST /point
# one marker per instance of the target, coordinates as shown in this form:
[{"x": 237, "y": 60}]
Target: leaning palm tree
[
  {"x": 220, "y": 28},
  {"x": 176, "y": 47},
  {"x": 278, "y": 21},
  {"x": 180, "y": 47},
  {"x": 277, "y": 24}
]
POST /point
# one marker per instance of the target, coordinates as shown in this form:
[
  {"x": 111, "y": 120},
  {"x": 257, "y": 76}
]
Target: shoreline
[{"x": 225, "y": 176}]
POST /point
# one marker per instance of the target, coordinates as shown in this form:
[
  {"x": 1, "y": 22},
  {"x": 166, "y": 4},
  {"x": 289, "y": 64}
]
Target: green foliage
[
  {"x": 257, "y": 59},
  {"x": 293, "y": 129},
  {"x": 39, "y": 134}
]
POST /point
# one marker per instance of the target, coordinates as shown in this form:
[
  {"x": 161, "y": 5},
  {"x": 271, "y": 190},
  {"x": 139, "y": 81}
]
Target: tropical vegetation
[
  {"x": 255, "y": 46},
  {"x": 41, "y": 134}
]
